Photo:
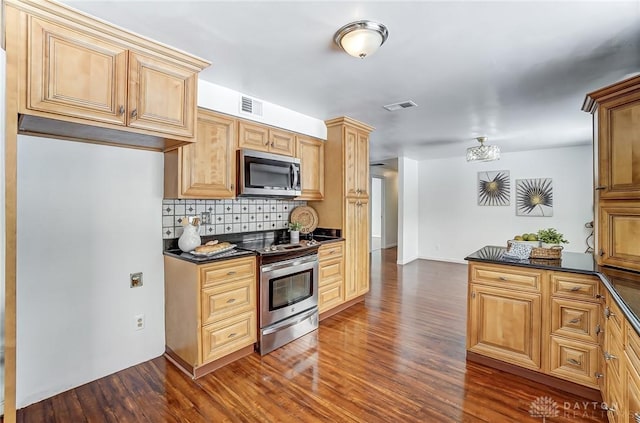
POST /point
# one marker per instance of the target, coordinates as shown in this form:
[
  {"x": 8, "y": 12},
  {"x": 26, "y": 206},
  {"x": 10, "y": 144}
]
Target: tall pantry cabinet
[
  {"x": 616, "y": 117},
  {"x": 346, "y": 199}
]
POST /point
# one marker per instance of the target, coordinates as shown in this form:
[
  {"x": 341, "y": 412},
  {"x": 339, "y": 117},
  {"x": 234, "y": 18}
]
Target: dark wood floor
[{"x": 398, "y": 357}]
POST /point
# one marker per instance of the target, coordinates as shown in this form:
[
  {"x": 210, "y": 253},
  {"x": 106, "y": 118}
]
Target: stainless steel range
[{"x": 288, "y": 289}]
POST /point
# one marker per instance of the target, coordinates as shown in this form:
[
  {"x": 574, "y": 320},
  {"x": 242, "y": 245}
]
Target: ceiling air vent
[
  {"x": 251, "y": 106},
  {"x": 399, "y": 106}
]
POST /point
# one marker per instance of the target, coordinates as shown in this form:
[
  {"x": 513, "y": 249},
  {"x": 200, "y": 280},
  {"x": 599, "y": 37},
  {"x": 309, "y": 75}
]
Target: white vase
[
  {"x": 190, "y": 238},
  {"x": 294, "y": 237}
]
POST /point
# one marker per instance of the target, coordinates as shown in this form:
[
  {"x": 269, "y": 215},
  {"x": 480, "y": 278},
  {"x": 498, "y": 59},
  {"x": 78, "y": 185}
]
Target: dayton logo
[{"x": 544, "y": 407}]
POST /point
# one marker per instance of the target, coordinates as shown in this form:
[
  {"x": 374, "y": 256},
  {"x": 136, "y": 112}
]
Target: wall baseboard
[
  {"x": 395, "y": 244},
  {"x": 407, "y": 261},
  {"x": 448, "y": 260}
]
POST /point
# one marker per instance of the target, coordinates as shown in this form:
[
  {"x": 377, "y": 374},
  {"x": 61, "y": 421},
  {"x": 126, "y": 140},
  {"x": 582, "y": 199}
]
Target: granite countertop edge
[{"x": 626, "y": 310}]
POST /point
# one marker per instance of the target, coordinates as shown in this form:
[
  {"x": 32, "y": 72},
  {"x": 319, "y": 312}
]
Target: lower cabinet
[
  {"x": 559, "y": 324},
  {"x": 331, "y": 281},
  {"x": 210, "y": 312},
  {"x": 505, "y": 324}
]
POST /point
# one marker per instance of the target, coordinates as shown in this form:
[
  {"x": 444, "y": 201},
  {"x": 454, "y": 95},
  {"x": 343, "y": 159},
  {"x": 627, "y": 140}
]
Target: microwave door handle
[{"x": 294, "y": 176}]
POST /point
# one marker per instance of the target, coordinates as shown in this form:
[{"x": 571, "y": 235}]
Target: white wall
[
  {"x": 226, "y": 100},
  {"x": 390, "y": 205},
  {"x": 88, "y": 216},
  {"x": 408, "y": 216},
  {"x": 376, "y": 206},
  {"x": 452, "y": 225}
]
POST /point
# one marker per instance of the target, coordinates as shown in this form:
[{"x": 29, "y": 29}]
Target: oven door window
[
  {"x": 290, "y": 289},
  {"x": 267, "y": 174}
]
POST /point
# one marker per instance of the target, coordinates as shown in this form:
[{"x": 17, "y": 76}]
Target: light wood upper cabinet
[
  {"x": 263, "y": 138},
  {"x": 619, "y": 231},
  {"x": 207, "y": 168},
  {"x": 84, "y": 79},
  {"x": 75, "y": 74},
  {"x": 616, "y": 120},
  {"x": 310, "y": 151},
  {"x": 619, "y": 147},
  {"x": 162, "y": 96},
  {"x": 357, "y": 162}
]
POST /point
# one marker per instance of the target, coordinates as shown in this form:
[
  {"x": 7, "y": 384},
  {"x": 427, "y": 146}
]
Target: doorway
[{"x": 377, "y": 213}]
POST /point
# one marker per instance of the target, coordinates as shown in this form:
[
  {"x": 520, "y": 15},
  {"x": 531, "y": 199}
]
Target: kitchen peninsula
[{"x": 569, "y": 323}]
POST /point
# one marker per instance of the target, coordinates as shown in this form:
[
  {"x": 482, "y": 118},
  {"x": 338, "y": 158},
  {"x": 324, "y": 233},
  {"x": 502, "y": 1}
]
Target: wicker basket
[{"x": 553, "y": 253}]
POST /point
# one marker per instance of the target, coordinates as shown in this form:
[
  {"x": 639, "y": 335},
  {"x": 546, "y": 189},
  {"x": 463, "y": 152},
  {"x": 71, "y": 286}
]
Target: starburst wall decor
[
  {"x": 534, "y": 197},
  {"x": 494, "y": 188}
]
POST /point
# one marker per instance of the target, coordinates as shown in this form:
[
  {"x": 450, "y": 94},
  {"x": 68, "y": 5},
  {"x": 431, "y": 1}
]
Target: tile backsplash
[{"x": 227, "y": 216}]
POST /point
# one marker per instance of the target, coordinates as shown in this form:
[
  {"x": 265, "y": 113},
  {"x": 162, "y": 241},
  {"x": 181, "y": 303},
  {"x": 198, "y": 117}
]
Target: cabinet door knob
[
  {"x": 601, "y": 252},
  {"x": 231, "y": 186},
  {"x": 607, "y": 312},
  {"x": 121, "y": 110},
  {"x": 598, "y": 375},
  {"x": 598, "y": 330},
  {"x": 134, "y": 113},
  {"x": 598, "y": 296}
]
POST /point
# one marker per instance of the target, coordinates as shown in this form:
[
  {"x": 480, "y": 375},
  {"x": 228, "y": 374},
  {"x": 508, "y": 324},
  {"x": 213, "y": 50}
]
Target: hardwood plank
[{"x": 398, "y": 356}]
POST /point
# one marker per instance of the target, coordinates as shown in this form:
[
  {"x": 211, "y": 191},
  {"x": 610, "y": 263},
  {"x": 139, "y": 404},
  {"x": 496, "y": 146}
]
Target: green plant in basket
[
  {"x": 551, "y": 236},
  {"x": 295, "y": 226}
]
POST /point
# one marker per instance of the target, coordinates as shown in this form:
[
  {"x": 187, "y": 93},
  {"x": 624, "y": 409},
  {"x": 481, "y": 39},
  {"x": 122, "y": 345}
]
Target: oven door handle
[{"x": 284, "y": 325}]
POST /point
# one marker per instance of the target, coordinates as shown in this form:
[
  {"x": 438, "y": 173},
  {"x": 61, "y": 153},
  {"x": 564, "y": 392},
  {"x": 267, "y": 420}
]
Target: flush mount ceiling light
[
  {"x": 483, "y": 153},
  {"x": 361, "y": 38}
]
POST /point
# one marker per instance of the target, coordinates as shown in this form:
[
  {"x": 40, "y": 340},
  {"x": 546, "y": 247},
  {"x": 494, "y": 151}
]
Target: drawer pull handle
[
  {"x": 598, "y": 330},
  {"x": 121, "y": 110},
  {"x": 576, "y": 320},
  {"x": 601, "y": 187},
  {"x": 607, "y": 312},
  {"x": 231, "y": 300},
  {"x": 576, "y": 288},
  {"x": 502, "y": 278},
  {"x": 598, "y": 375},
  {"x": 231, "y": 335},
  {"x": 574, "y": 362},
  {"x": 608, "y": 356},
  {"x": 598, "y": 296},
  {"x": 134, "y": 113},
  {"x": 233, "y": 272}
]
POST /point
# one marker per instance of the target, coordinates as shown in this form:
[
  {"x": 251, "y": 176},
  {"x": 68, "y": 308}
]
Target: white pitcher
[{"x": 190, "y": 237}]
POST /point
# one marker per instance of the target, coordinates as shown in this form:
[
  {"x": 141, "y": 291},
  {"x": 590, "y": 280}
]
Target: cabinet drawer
[
  {"x": 507, "y": 278},
  {"x": 330, "y": 295},
  {"x": 330, "y": 272},
  {"x": 226, "y": 336},
  {"x": 574, "y": 319},
  {"x": 575, "y": 361},
  {"x": 576, "y": 287},
  {"x": 329, "y": 251},
  {"x": 228, "y": 270},
  {"x": 220, "y": 301}
]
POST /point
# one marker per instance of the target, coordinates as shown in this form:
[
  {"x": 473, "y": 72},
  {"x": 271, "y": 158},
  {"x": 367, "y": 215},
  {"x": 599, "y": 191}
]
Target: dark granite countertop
[
  {"x": 623, "y": 285},
  {"x": 227, "y": 255}
]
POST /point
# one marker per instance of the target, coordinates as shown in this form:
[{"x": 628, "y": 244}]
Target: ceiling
[{"x": 515, "y": 71}]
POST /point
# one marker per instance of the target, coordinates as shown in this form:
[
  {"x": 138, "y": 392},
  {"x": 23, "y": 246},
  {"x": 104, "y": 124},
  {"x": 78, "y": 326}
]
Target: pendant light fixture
[
  {"x": 361, "y": 38},
  {"x": 483, "y": 153}
]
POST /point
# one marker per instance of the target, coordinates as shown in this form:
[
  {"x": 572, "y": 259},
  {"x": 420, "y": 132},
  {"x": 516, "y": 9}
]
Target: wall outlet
[
  {"x": 139, "y": 321},
  {"x": 135, "y": 280},
  {"x": 205, "y": 218}
]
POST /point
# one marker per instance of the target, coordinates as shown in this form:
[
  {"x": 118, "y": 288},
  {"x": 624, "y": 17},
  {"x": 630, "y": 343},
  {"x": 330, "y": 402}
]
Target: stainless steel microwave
[{"x": 267, "y": 175}]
